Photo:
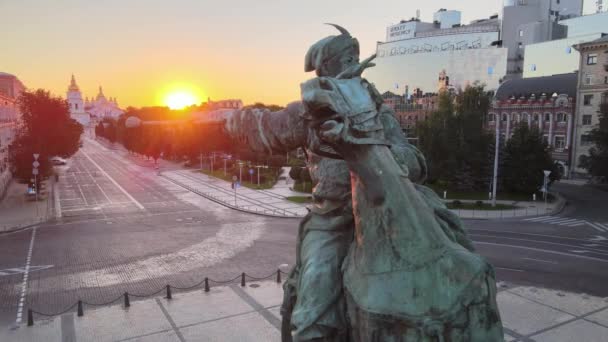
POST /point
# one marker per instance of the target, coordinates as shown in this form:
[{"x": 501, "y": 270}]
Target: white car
[{"x": 58, "y": 161}]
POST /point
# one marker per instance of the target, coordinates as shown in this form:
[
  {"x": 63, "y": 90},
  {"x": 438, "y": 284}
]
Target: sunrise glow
[{"x": 180, "y": 100}]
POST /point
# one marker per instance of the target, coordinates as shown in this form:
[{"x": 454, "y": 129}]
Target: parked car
[{"x": 58, "y": 161}]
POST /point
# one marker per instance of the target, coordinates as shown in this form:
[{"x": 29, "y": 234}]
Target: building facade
[
  {"x": 413, "y": 50},
  {"x": 526, "y": 22},
  {"x": 10, "y": 90},
  {"x": 101, "y": 107},
  {"x": 592, "y": 92},
  {"x": 76, "y": 104},
  {"x": 564, "y": 57},
  {"x": 546, "y": 103}
]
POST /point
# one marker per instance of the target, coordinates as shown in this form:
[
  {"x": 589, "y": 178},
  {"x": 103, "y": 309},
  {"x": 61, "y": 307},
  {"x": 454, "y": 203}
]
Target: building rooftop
[{"x": 560, "y": 84}]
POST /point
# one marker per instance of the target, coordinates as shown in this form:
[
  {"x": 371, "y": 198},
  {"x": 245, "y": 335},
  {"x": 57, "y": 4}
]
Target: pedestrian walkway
[
  {"x": 17, "y": 211},
  {"x": 256, "y": 201},
  {"x": 601, "y": 227},
  {"x": 252, "y": 313}
]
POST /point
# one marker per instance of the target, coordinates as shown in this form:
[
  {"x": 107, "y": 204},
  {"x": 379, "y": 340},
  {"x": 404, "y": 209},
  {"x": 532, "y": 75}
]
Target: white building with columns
[
  {"x": 547, "y": 103},
  {"x": 77, "y": 110},
  {"x": 101, "y": 107},
  {"x": 87, "y": 111}
]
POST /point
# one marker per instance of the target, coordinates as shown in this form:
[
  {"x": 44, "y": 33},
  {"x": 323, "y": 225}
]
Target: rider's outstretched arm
[{"x": 265, "y": 131}]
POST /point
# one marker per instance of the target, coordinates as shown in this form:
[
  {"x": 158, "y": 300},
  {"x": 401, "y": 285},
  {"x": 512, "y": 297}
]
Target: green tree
[
  {"x": 596, "y": 163},
  {"x": 525, "y": 156},
  {"x": 456, "y": 146},
  {"x": 47, "y": 129}
]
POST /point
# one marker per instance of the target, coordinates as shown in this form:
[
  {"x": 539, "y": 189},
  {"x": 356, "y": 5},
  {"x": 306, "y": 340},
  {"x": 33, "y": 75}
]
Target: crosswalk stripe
[
  {"x": 539, "y": 218},
  {"x": 602, "y": 225},
  {"x": 570, "y": 221},
  {"x": 555, "y": 220},
  {"x": 580, "y": 223},
  {"x": 596, "y": 227}
]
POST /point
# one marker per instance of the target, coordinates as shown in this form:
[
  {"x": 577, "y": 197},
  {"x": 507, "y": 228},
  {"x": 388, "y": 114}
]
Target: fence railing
[{"x": 167, "y": 289}]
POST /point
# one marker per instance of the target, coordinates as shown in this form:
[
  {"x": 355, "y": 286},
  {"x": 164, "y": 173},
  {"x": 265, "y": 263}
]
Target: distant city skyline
[{"x": 141, "y": 50}]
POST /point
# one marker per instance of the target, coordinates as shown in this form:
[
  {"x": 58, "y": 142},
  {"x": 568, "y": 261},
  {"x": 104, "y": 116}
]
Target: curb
[
  {"x": 561, "y": 204},
  {"x": 213, "y": 199}
]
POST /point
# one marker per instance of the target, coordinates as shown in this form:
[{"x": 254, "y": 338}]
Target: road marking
[
  {"x": 602, "y": 225},
  {"x": 597, "y": 227},
  {"x": 20, "y": 270},
  {"x": 509, "y": 269},
  {"x": 570, "y": 221},
  {"x": 591, "y": 245},
  {"x": 541, "y": 260},
  {"x": 539, "y": 218},
  {"x": 579, "y": 223},
  {"x": 598, "y": 238},
  {"x": 114, "y": 182},
  {"x": 542, "y": 250},
  {"x": 25, "y": 278}
]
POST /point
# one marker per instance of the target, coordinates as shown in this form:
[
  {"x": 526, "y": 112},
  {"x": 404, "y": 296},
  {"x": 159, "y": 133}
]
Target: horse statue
[{"x": 406, "y": 276}]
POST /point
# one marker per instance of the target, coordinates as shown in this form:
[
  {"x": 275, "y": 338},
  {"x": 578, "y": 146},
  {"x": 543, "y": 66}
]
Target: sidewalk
[
  {"x": 251, "y": 313},
  {"x": 264, "y": 202},
  {"x": 16, "y": 211},
  {"x": 273, "y": 201}
]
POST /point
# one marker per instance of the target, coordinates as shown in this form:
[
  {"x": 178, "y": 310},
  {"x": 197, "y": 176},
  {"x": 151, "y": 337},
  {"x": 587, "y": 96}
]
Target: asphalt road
[{"x": 123, "y": 228}]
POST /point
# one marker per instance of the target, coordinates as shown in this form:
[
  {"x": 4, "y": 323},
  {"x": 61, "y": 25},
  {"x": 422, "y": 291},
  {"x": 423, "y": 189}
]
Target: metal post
[
  {"x": 240, "y": 172},
  {"x": 80, "y": 309},
  {"x": 243, "y": 279},
  {"x": 496, "y": 151},
  {"x": 201, "y": 161},
  {"x": 206, "y": 284},
  {"x": 258, "y": 175},
  {"x": 169, "y": 296},
  {"x": 224, "y": 167}
]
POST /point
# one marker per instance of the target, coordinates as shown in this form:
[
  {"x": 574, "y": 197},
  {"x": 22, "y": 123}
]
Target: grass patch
[
  {"x": 472, "y": 195},
  {"x": 300, "y": 199},
  {"x": 477, "y": 206},
  {"x": 220, "y": 174}
]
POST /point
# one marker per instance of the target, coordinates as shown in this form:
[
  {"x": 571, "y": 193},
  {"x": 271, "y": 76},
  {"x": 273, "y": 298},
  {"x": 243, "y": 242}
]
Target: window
[
  {"x": 504, "y": 117},
  {"x": 587, "y": 100},
  {"x": 536, "y": 117},
  {"x": 545, "y": 139},
  {"x": 588, "y": 79},
  {"x": 547, "y": 117},
  {"x": 592, "y": 59},
  {"x": 568, "y": 50},
  {"x": 586, "y": 140},
  {"x": 76, "y": 106},
  {"x": 533, "y": 67},
  {"x": 491, "y": 117},
  {"x": 559, "y": 142},
  {"x": 606, "y": 80},
  {"x": 586, "y": 120},
  {"x": 561, "y": 117},
  {"x": 521, "y": 33}
]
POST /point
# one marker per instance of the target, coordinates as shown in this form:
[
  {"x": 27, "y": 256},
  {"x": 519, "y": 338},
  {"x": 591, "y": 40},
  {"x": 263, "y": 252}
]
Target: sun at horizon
[{"x": 180, "y": 99}]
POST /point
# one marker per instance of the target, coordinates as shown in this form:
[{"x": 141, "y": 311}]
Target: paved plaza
[{"x": 252, "y": 313}]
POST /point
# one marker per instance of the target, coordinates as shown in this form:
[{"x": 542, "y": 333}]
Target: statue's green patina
[{"x": 406, "y": 274}]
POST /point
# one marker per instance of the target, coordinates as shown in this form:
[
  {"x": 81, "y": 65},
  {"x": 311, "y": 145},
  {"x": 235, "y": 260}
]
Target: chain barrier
[{"x": 126, "y": 296}]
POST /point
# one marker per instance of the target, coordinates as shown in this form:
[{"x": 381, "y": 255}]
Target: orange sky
[{"x": 136, "y": 49}]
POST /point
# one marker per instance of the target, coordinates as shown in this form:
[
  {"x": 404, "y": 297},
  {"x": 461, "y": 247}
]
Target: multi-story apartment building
[
  {"x": 547, "y": 103},
  {"x": 592, "y": 92},
  {"x": 10, "y": 90}
]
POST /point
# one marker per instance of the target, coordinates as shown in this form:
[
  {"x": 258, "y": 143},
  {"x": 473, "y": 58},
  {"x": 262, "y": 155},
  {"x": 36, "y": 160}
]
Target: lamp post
[
  {"x": 258, "y": 167},
  {"x": 496, "y": 151}
]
